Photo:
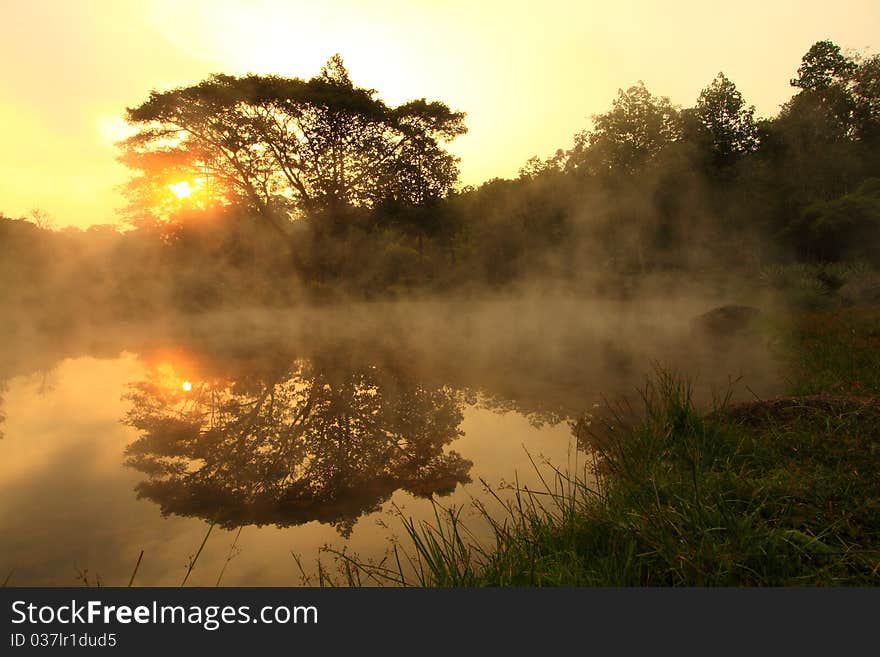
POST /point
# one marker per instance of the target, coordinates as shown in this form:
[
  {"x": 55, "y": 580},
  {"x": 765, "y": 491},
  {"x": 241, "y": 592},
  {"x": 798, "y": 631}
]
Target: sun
[
  {"x": 182, "y": 189},
  {"x": 187, "y": 386}
]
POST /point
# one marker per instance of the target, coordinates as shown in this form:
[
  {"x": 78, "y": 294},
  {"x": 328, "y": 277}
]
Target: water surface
[{"x": 286, "y": 432}]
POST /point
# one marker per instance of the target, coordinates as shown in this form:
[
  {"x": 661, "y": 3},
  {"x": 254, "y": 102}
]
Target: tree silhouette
[
  {"x": 839, "y": 94},
  {"x": 866, "y": 92},
  {"x": 287, "y": 146},
  {"x": 312, "y": 440},
  {"x": 823, "y": 66},
  {"x": 729, "y": 124},
  {"x": 637, "y": 127}
]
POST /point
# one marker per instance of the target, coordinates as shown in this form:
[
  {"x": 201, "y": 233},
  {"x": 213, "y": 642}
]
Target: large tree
[
  {"x": 842, "y": 91},
  {"x": 823, "y": 66},
  {"x": 725, "y": 120},
  {"x": 637, "y": 127},
  {"x": 293, "y": 442},
  {"x": 287, "y": 146},
  {"x": 866, "y": 98}
]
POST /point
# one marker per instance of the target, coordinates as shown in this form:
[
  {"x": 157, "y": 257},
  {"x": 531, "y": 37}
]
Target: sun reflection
[{"x": 168, "y": 378}]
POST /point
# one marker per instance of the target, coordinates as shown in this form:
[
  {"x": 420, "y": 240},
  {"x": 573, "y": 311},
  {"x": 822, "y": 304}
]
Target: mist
[{"x": 304, "y": 320}]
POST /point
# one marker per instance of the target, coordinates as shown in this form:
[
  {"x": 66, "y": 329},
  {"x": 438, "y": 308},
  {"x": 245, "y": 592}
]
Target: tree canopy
[
  {"x": 823, "y": 66},
  {"x": 293, "y": 442},
  {"x": 286, "y": 147},
  {"x": 647, "y": 187},
  {"x": 728, "y": 123},
  {"x": 633, "y": 131}
]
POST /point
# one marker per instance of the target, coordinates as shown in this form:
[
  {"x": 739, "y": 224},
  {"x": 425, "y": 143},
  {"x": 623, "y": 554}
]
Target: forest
[
  {"x": 310, "y": 319},
  {"x": 262, "y": 190}
]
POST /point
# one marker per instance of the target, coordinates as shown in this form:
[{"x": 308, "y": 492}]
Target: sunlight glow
[
  {"x": 113, "y": 128},
  {"x": 182, "y": 189},
  {"x": 550, "y": 68},
  {"x": 168, "y": 379}
]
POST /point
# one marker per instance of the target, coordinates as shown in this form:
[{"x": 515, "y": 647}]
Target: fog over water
[
  {"x": 337, "y": 292},
  {"x": 307, "y": 427}
]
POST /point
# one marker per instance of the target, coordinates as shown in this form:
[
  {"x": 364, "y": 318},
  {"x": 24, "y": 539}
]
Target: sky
[{"x": 529, "y": 75}]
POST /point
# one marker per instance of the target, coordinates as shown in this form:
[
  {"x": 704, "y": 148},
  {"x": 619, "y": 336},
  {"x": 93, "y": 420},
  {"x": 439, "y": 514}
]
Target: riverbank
[{"x": 783, "y": 491}]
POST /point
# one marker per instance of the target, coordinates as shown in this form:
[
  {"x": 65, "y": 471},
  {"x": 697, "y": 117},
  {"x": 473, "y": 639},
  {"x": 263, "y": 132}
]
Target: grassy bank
[{"x": 774, "y": 492}]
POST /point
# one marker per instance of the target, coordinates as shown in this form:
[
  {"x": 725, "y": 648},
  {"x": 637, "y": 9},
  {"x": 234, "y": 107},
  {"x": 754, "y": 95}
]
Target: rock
[{"x": 726, "y": 320}]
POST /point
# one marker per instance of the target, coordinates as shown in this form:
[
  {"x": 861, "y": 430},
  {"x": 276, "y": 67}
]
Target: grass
[
  {"x": 775, "y": 492},
  {"x": 834, "y": 352}
]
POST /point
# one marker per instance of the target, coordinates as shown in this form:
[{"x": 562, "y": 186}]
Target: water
[{"x": 301, "y": 430}]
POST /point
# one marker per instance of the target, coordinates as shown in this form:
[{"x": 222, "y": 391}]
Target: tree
[
  {"x": 535, "y": 167},
  {"x": 293, "y": 442},
  {"x": 728, "y": 123},
  {"x": 42, "y": 219},
  {"x": 826, "y": 102},
  {"x": 819, "y": 145},
  {"x": 846, "y": 227},
  {"x": 636, "y": 128},
  {"x": 823, "y": 66},
  {"x": 286, "y": 147},
  {"x": 866, "y": 97}
]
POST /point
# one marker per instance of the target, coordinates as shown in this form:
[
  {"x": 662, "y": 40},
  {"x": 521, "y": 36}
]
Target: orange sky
[{"x": 528, "y": 74}]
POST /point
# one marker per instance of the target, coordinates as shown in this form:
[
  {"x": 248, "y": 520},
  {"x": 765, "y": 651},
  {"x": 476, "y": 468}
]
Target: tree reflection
[{"x": 310, "y": 440}]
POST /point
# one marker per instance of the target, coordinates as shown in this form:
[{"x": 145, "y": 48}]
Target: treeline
[
  {"x": 288, "y": 190},
  {"x": 656, "y": 187}
]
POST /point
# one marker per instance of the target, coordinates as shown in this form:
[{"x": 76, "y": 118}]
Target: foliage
[
  {"x": 776, "y": 493},
  {"x": 636, "y": 128},
  {"x": 297, "y": 442},
  {"x": 729, "y": 125},
  {"x": 844, "y": 228},
  {"x": 823, "y": 66},
  {"x": 284, "y": 147},
  {"x": 836, "y": 351},
  {"x": 316, "y": 190}
]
